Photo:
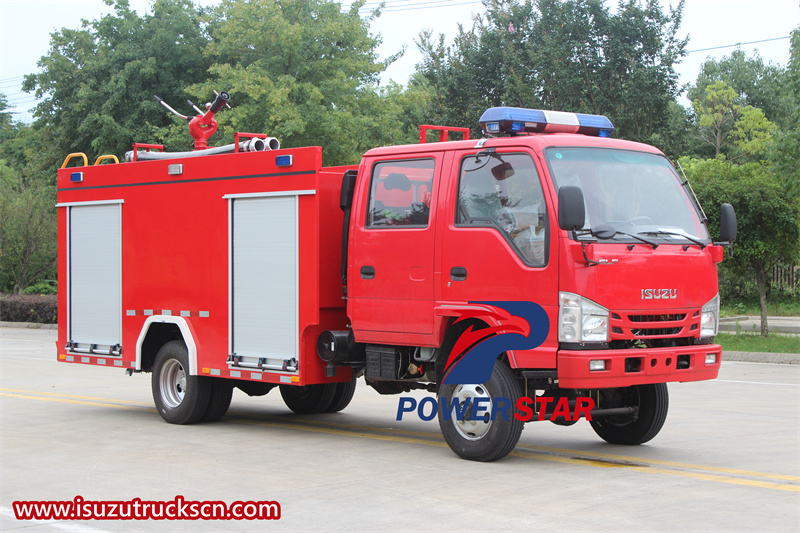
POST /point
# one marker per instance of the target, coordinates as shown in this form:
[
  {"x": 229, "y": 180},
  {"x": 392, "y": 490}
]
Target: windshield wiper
[
  {"x": 663, "y": 232},
  {"x": 608, "y": 232}
]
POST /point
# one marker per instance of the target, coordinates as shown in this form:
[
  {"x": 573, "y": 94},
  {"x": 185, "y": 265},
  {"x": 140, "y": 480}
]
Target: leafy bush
[
  {"x": 39, "y": 308},
  {"x": 43, "y": 287}
]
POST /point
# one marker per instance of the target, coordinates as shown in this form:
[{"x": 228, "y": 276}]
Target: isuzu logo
[{"x": 659, "y": 294}]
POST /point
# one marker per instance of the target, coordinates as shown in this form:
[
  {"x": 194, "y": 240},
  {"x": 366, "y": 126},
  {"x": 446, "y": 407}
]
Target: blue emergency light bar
[{"x": 511, "y": 120}]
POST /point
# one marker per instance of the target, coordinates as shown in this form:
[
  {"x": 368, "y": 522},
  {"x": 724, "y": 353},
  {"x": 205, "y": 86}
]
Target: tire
[
  {"x": 219, "y": 400},
  {"x": 179, "y": 397},
  {"x": 653, "y": 403},
  {"x": 342, "y": 395},
  {"x": 309, "y": 399},
  {"x": 484, "y": 440}
]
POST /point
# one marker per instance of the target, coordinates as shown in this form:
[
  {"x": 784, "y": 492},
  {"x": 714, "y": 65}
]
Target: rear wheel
[
  {"x": 179, "y": 397},
  {"x": 477, "y": 437},
  {"x": 652, "y": 401},
  {"x": 219, "y": 400},
  {"x": 309, "y": 399},
  {"x": 342, "y": 396}
]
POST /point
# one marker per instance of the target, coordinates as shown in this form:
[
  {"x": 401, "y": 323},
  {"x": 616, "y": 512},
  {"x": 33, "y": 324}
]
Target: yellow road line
[
  {"x": 314, "y": 429},
  {"x": 78, "y": 402},
  {"x": 359, "y": 431},
  {"x": 60, "y": 395},
  {"x": 660, "y": 462}
]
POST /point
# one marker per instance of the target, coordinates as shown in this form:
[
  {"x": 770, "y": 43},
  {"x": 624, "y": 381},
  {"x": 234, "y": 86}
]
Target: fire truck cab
[{"x": 264, "y": 268}]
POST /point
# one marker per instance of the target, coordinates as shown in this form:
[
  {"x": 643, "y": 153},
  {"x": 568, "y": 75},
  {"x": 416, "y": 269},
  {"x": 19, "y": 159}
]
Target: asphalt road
[{"x": 727, "y": 459}]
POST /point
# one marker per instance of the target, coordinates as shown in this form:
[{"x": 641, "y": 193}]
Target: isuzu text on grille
[
  {"x": 659, "y": 294},
  {"x": 485, "y": 409}
]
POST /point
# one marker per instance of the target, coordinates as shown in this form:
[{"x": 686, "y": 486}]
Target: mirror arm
[
  {"x": 726, "y": 244},
  {"x": 589, "y": 262}
]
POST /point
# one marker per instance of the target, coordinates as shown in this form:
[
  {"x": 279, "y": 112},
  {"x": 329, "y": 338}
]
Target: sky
[{"x": 712, "y": 26}]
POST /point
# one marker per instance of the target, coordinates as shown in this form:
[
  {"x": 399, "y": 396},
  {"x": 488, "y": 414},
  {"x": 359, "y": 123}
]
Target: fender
[
  {"x": 186, "y": 331},
  {"x": 458, "y": 309},
  {"x": 524, "y": 325}
]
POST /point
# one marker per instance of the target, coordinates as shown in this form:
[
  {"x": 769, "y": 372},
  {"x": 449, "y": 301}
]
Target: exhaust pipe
[{"x": 250, "y": 145}]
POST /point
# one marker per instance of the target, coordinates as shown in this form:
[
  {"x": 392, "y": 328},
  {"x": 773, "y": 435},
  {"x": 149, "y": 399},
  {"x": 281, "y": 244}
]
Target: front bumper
[{"x": 637, "y": 366}]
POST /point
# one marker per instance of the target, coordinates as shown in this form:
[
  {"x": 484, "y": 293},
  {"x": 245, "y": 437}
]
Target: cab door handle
[
  {"x": 458, "y": 274},
  {"x": 367, "y": 272}
]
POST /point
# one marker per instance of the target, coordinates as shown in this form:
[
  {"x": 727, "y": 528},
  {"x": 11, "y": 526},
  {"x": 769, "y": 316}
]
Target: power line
[{"x": 738, "y": 44}]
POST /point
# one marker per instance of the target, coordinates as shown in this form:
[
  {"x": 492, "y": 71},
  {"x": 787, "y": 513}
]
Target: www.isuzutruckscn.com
[{"x": 178, "y": 508}]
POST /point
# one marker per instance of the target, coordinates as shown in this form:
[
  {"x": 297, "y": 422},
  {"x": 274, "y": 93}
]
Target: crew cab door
[
  {"x": 390, "y": 275},
  {"x": 497, "y": 240}
]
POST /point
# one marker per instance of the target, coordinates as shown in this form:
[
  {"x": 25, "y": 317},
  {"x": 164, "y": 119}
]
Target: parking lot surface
[{"x": 727, "y": 459}]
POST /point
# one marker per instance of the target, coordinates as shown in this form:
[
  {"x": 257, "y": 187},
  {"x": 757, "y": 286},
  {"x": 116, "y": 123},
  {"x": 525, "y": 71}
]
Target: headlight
[
  {"x": 709, "y": 318},
  {"x": 581, "y": 320}
]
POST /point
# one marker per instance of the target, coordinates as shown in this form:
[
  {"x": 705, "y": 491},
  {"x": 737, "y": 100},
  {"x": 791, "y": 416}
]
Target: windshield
[{"x": 633, "y": 192}]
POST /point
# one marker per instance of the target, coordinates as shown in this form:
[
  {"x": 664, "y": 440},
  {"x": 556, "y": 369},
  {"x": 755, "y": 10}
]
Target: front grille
[
  {"x": 654, "y": 324},
  {"x": 657, "y": 318},
  {"x": 655, "y": 332}
]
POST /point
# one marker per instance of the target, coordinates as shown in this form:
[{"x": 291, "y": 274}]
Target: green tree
[
  {"x": 785, "y": 150},
  {"x": 570, "y": 55},
  {"x": 97, "y": 83},
  {"x": 301, "y": 70},
  {"x": 723, "y": 122},
  {"x": 755, "y": 83},
  {"x": 768, "y": 219},
  {"x": 716, "y": 115},
  {"x": 28, "y": 230},
  {"x": 27, "y": 204},
  {"x": 27, "y": 208},
  {"x": 7, "y": 127}
]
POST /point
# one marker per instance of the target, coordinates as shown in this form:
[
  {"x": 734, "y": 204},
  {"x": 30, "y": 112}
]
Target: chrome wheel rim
[
  {"x": 172, "y": 383},
  {"x": 473, "y": 428}
]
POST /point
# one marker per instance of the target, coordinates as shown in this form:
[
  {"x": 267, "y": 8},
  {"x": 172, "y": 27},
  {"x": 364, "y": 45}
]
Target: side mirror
[
  {"x": 727, "y": 224},
  {"x": 571, "y": 210}
]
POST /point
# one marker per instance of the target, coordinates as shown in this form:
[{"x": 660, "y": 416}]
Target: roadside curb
[
  {"x": 762, "y": 357},
  {"x": 752, "y": 324},
  {"x": 27, "y": 325}
]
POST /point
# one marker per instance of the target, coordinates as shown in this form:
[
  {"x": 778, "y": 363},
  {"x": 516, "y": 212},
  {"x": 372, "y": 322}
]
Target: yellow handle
[
  {"x": 76, "y": 154},
  {"x": 102, "y": 157}
]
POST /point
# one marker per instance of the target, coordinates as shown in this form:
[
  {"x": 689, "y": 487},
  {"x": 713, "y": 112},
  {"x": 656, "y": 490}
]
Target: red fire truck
[{"x": 252, "y": 267}]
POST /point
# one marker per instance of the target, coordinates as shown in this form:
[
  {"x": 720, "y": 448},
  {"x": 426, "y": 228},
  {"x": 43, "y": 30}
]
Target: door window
[
  {"x": 503, "y": 191},
  {"x": 400, "y": 194}
]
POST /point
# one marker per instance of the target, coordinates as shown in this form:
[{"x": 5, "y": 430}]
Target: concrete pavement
[{"x": 775, "y": 324}]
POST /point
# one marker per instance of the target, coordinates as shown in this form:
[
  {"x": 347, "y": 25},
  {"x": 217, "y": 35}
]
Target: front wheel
[
  {"x": 652, "y": 401},
  {"x": 179, "y": 397},
  {"x": 476, "y": 436}
]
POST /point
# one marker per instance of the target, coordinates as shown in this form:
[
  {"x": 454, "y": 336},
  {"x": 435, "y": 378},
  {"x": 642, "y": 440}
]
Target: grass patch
[
  {"x": 782, "y": 307},
  {"x": 748, "y": 342}
]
